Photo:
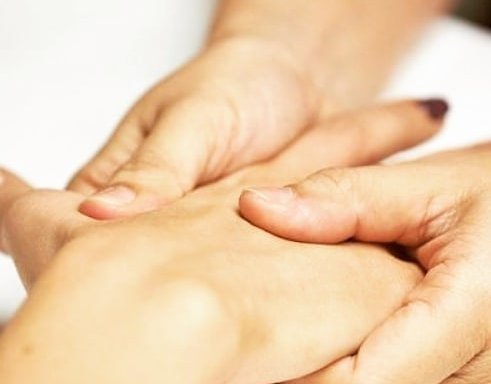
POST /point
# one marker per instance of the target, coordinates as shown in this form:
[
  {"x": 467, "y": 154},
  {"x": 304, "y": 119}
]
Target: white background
[{"x": 69, "y": 69}]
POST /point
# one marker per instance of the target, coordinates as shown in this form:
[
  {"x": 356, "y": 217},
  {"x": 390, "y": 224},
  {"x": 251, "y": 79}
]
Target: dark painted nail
[{"x": 436, "y": 108}]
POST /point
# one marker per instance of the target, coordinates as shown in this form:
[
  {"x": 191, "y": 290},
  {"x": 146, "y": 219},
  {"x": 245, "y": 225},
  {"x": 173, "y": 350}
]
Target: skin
[
  {"x": 439, "y": 207},
  {"x": 263, "y": 78},
  {"x": 192, "y": 293}
]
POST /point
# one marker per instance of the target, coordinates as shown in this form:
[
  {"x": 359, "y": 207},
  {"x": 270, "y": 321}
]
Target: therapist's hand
[
  {"x": 440, "y": 207},
  {"x": 271, "y": 70},
  {"x": 191, "y": 293}
]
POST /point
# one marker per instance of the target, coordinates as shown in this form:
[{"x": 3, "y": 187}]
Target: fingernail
[
  {"x": 2, "y": 177},
  {"x": 435, "y": 108},
  {"x": 279, "y": 196},
  {"x": 118, "y": 195}
]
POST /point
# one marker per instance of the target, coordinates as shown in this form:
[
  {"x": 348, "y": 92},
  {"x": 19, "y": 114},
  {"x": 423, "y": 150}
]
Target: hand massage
[{"x": 253, "y": 219}]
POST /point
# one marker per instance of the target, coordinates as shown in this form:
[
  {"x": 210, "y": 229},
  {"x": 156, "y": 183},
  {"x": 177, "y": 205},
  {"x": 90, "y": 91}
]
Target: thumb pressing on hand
[
  {"x": 335, "y": 204},
  {"x": 432, "y": 206}
]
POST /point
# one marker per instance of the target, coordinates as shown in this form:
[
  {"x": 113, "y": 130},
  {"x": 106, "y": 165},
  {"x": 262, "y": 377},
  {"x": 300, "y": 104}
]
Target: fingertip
[
  {"x": 261, "y": 206},
  {"x": 435, "y": 108}
]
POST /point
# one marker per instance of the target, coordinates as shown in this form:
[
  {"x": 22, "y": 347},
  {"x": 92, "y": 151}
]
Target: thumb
[
  {"x": 165, "y": 166},
  {"x": 194, "y": 141},
  {"x": 373, "y": 204},
  {"x": 369, "y": 203},
  {"x": 444, "y": 323}
]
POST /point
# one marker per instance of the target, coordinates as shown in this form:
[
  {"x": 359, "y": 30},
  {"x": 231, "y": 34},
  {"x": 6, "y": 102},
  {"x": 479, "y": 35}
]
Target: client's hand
[
  {"x": 441, "y": 208},
  {"x": 192, "y": 293}
]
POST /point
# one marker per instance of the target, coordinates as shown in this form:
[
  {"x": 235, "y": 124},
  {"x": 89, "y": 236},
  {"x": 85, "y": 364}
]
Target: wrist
[
  {"x": 293, "y": 28},
  {"x": 346, "y": 48}
]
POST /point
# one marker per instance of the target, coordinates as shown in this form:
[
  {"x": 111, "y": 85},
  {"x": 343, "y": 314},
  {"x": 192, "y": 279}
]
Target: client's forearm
[{"x": 348, "y": 47}]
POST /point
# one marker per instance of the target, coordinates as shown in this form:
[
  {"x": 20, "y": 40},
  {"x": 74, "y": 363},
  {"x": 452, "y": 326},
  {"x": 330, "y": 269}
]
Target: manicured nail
[
  {"x": 435, "y": 108},
  {"x": 117, "y": 195},
  {"x": 279, "y": 196}
]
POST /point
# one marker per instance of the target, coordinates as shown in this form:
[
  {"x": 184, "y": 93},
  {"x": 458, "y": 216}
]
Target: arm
[{"x": 347, "y": 48}]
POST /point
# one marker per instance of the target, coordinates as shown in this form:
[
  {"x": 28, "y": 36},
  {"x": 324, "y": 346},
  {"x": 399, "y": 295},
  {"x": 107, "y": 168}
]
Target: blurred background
[{"x": 476, "y": 10}]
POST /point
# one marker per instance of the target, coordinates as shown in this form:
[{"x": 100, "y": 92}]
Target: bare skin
[
  {"x": 192, "y": 293},
  {"x": 271, "y": 70},
  {"x": 440, "y": 208}
]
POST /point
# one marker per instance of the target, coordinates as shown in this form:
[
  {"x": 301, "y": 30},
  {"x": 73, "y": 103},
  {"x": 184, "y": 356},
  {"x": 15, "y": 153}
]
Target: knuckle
[
  {"x": 152, "y": 175},
  {"x": 195, "y": 311},
  {"x": 189, "y": 307},
  {"x": 477, "y": 371},
  {"x": 338, "y": 181},
  {"x": 150, "y": 160},
  {"x": 95, "y": 176},
  {"x": 203, "y": 307}
]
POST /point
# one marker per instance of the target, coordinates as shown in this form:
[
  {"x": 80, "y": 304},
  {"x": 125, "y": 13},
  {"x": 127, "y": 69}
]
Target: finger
[
  {"x": 441, "y": 328},
  {"x": 369, "y": 203},
  {"x": 478, "y": 371},
  {"x": 339, "y": 372},
  {"x": 198, "y": 139},
  {"x": 359, "y": 138},
  {"x": 35, "y": 224},
  {"x": 116, "y": 152},
  {"x": 171, "y": 161},
  {"x": 436, "y": 334}
]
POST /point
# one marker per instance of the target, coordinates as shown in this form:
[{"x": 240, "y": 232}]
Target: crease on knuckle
[
  {"x": 337, "y": 181},
  {"x": 225, "y": 137},
  {"x": 93, "y": 175},
  {"x": 441, "y": 213},
  {"x": 477, "y": 371}
]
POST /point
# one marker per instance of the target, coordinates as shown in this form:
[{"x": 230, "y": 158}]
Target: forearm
[{"x": 347, "y": 47}]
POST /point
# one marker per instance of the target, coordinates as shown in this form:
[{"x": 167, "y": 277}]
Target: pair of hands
[
  {"x": 156, "y": 156},
  {"x": 235, "y": 303}
]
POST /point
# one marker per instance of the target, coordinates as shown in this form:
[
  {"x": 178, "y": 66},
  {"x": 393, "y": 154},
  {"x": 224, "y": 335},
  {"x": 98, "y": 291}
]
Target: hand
[
  {"x": 356, "y": 138},
  {"x": 439, "y": 207},
  {"x": 193, "y": 284},
  {"x": 261, "y": 81}
]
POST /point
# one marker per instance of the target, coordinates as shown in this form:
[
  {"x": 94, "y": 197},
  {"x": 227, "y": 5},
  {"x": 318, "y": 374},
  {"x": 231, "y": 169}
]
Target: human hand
[
  {"x": 261, "y": 81},
  {"x": 439, "y": 207},
  {"x": 138, "y": 294},
  {"x": 361, "y": 137}
]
